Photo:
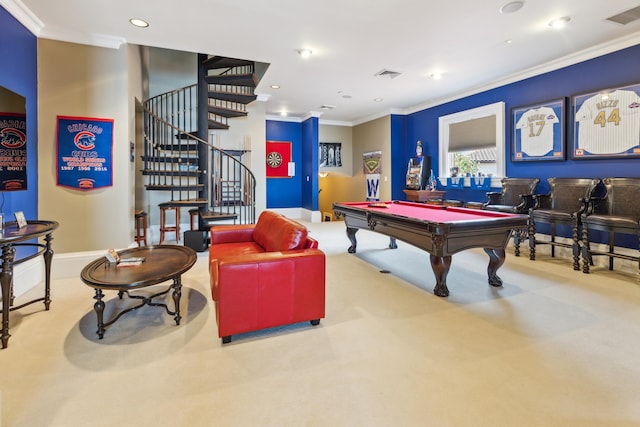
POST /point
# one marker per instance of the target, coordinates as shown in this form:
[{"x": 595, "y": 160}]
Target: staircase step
[
  {"x": 226, "y": 112},
  {"x": 182, "y": 160},
  {"x": 188, "y": 136},
  {"x": 190, "y": 187},
  {"x": 240, "y": 98},
  {"x": 185, "y": 173},
  {"x": 211, "y": 216},
  {"x": 213, "y": 124},
  {"x": 182, "y": 147},
  {"x": 186, "y": 203},
  {"x": 216, "y": 62},
  {"x": 248, "y": 80}
]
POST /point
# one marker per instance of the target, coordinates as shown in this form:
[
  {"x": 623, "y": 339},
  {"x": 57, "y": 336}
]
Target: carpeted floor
[{"x": 552, "y": 347}]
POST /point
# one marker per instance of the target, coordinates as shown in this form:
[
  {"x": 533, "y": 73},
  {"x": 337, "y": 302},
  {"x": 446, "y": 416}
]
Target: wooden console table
[
  {"x": 423, "y": 195},
  {"x": 11, "y": 237}
]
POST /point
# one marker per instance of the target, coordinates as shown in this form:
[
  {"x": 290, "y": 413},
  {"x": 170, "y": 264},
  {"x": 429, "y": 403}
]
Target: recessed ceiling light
[
  {"x": 512, "y": 7},
  {"x": 378, "y": 99},
  {"x": 559, "y": 22},
  {"x": 283, "y": 113},
  {"x": 436, "y": 76},
  {"x": 275, "y": 86},
  {"x": 305, "y": 53},
  {"x": 508, "y": 41},
  {"x": 139, "y": 23},
  {"x": 328, "y": 107}
]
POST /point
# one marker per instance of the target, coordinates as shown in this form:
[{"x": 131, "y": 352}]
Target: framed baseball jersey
[
  {"x": 606, "y": 123},
  {"x": 538, "y": 131}
]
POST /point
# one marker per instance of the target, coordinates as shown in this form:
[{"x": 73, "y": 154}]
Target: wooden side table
[{"x": 10, "y": 237}]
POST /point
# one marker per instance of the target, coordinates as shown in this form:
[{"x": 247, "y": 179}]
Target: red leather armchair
[{"x": 265, "y": 275}]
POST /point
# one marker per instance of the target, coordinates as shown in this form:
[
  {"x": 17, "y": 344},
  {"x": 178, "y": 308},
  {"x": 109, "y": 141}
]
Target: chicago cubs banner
[
  {"x": 372, "y": 167},
  {"x": 85, "y": 152},
  {"x": 13, "y": 151}
]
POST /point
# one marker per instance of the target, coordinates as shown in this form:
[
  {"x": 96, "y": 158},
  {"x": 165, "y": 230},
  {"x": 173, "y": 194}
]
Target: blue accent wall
[
  {"x": 399, "y": 147},
  {"x": 286, "y": 192},
  {"x": 608, "y": 71},
  {"x": 296, "y": 191},
  {"x": 617, "y": 69},
  {"x": 310, "y": 163},
  {"x": 19, "y": 73}
]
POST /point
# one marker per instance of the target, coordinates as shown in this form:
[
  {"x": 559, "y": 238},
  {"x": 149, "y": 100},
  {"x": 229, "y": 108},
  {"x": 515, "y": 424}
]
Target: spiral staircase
[{"x": 178, "y": 158}]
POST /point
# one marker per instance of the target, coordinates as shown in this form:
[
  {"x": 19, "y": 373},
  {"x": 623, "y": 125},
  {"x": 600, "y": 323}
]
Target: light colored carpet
[{"x": 552, "y": 347}]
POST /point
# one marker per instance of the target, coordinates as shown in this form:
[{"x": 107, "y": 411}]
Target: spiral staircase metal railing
[{"x": 179, "y": 160}]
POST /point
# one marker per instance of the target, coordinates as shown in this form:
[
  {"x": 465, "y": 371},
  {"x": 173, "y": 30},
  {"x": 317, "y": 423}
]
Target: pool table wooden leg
[
  {"x": 496, "y": 259},
  {"x": 351, "y": 234},
  {"x": 440, "y": 266},
  {"x": 392, "y": 243}
]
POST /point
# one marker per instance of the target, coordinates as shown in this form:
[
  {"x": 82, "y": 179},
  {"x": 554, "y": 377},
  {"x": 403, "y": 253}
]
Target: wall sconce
[
  {"x": 291, "y": 169},
  {"x": 323, "y": 174}
]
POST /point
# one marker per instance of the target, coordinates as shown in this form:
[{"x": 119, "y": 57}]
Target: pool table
[{"x": 441, "y": 231}]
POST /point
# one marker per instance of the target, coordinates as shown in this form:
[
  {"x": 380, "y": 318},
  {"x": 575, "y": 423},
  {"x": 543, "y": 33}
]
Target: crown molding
[
  {"x": 291, "y": 119},
  {"x": 24, "y": 15},
  {"x": 311, "y": 114},
  {"x": 565, "y": 61},
  {"x": 301, "y": 119},
  {"x": 335, "y": 123},
  {"x": 32, "y": 23},
  {"x": 91, "y": 39},
  {"x": 380, "y": 115}
]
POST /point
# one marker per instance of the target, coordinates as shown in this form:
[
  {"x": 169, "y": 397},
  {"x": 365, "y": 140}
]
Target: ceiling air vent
[
  {"x": 625, "y": 17},
  {"x": 387, "y": 73}
]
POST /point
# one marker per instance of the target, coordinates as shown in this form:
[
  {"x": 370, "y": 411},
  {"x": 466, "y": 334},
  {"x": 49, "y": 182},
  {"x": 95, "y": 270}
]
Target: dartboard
[{"x": 274, "y": 159}]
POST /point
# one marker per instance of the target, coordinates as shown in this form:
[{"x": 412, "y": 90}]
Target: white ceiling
[{"x": 351, "y": 41}]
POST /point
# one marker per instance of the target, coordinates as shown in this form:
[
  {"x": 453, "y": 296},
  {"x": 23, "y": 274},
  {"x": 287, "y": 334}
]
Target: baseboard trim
[{"x": 29, "y": 274}]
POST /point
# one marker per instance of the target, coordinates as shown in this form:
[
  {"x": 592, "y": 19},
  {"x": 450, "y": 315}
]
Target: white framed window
[{"x": 472, "y": 133}]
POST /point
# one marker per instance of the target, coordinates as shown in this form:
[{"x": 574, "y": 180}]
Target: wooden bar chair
[{"x": 164, "y": 228}]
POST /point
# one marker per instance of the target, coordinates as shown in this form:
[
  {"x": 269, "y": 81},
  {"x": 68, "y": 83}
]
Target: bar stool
[
  {"x": 193, "y": 218},
  {"x": 140, "y": 218},
  {"x": 164, "y": 228}
]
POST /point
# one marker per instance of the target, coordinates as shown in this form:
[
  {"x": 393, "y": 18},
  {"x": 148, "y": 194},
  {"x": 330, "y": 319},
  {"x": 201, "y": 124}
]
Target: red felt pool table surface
[
  {"x": 440, "y": 231},
  {"x": 433, "y": 213}
]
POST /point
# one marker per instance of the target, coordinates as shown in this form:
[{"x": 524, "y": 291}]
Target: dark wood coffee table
[{"x": 162, "y": 263}]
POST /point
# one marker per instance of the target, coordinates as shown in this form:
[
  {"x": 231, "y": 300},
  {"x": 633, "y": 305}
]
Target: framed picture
[
  {"x": 538, "y": 131},
  {"x": 606, "y": 123},
  {"x": 20, "y": 219},
  {"x": 330, "y": 154}
]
